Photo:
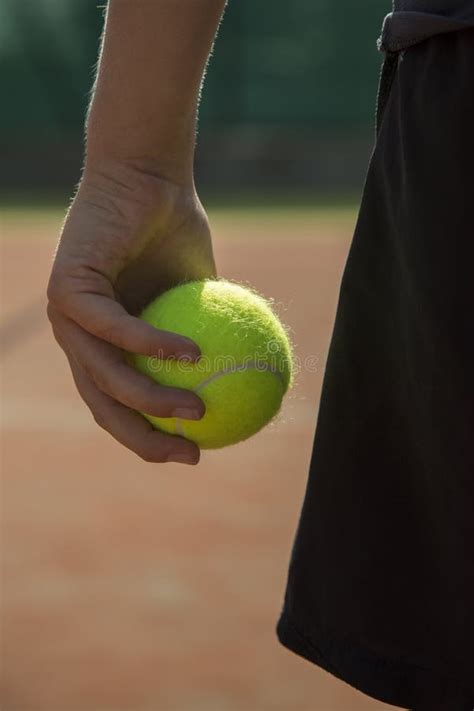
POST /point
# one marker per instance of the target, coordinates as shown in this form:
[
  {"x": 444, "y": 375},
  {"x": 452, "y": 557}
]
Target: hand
[{"x": 127, "y": 237}]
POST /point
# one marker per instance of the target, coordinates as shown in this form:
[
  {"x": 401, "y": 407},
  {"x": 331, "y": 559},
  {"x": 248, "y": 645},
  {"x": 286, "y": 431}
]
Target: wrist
[
  {"x": 167, "y": 153},
  {"x": 122, "y": 173},
  {"x": 135, "y": 189}
]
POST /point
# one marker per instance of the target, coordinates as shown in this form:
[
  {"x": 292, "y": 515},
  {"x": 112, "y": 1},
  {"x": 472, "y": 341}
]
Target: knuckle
[
  {"x": 150, "y": 396},
  {"x": 101, "y": 380},
  {"x": 50, "y": 312},
  {"x": 52, "y": 316},
  {"x": 55, "y": 291},
  {"x": 105, "y": 333},
  {"x": 100, "y": 418},
  {"x": 111, "y": 332},
  {"x": 56, "y": 331}
]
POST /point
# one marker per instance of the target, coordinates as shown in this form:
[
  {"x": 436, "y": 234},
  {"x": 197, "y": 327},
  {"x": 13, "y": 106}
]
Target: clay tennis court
[{"x": 135, "y": 586}]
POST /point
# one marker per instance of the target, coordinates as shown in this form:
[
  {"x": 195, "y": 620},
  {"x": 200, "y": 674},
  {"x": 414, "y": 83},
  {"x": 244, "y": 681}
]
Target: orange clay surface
[{"x": 157, "y": 588}]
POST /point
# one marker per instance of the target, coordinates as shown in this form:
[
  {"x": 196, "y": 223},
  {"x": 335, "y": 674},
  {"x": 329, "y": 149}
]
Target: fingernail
[
  {"x": 183, "y": 458},
  {"x": 187, "y": 413}
]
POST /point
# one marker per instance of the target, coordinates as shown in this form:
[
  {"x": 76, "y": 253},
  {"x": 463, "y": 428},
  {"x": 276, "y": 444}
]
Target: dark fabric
[
  {"x": 395, "y": 682},
  {"x": 413, "y": 21},
  {"x": 389, "y": 68},
  {"x": 381, "y": 581}
]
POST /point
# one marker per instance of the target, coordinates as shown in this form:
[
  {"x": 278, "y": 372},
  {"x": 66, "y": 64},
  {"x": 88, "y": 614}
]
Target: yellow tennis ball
[{"x": 246, "y": 361}]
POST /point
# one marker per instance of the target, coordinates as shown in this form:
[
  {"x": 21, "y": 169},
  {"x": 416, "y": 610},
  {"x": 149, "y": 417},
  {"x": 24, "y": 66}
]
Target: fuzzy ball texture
[{"x": 246, "y": 361}]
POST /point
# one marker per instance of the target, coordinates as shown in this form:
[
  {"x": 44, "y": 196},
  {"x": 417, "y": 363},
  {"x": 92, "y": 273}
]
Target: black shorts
[{"x": 381, "y": 582}]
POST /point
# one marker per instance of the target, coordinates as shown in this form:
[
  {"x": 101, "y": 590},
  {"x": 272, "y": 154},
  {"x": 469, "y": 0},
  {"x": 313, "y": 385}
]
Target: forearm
[{"x": 144, "y": 105}]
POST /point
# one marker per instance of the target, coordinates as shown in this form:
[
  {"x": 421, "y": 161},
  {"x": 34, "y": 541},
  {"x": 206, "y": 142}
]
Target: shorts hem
[{"x": 394, "y": 682}]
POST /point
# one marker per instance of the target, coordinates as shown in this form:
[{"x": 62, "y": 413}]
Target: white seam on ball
[{"x": 254, "y": 365}]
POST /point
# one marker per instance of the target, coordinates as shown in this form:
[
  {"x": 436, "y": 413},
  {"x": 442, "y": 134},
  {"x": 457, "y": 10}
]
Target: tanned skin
[{"x": 136, "y": 225}]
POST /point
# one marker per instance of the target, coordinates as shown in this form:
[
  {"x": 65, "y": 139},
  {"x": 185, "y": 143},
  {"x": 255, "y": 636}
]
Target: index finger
[{"x": 107, "y": 319}]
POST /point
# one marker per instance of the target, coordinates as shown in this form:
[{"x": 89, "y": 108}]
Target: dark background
[{"x": 288, "y": 103}]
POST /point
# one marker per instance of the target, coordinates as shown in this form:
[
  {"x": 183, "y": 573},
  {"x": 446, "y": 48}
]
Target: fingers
[
  {"x": 131, "y": 429},
  {"x": 106, "y": 368},
  {"x": 105, "y": 318}
]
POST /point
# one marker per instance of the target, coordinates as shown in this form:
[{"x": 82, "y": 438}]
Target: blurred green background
[{"x": 288, "y": 102}]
